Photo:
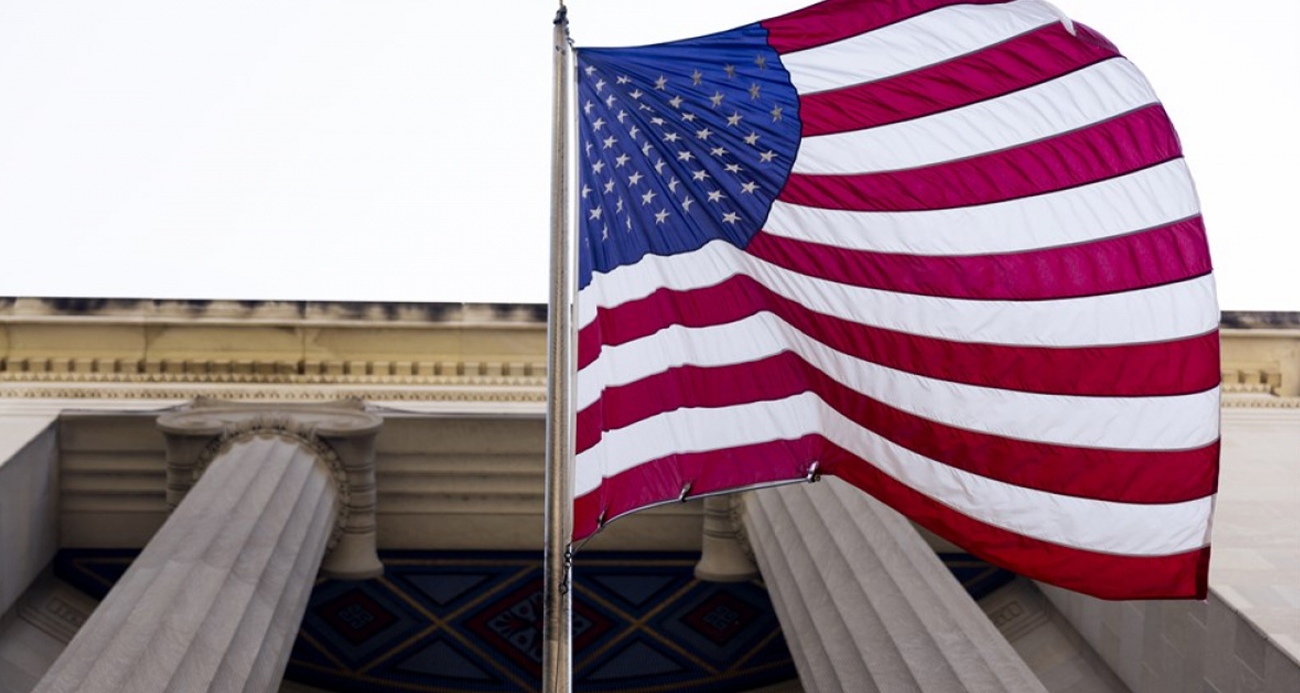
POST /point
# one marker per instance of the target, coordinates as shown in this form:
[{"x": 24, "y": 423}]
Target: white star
[
  {"x": 716, "y": 196},
  {"x": 645, "y": 149},
  {"x": 688, "y": 117},
  {"x": 590, "y": 70},
  {"x": 661, "y": 83},
  {"x": 647, "y": 197},
  {"x": 731, "y": 217},
  {"x": 735, "y": 119},
  {"x": 623, "y": 79},
  {"x": 609, "y": 186},
  {"x": 634, "y": 131},
  {"x": 598, "y": 124},
  {"x": 643, "y": 107},
  {"x": 717, "y": 99},
  {"x": 619, "y": 208},
  {"x": 718, "y": 151},
  {"x": 672, "y": 184},
  {"x": 600, "y": 84},
  {"x": 620, "y": 160},
  {"x": 595, "y": 213},
  {"x": 622, "y": 115},
  {"x": 661, "y": 216},
  {"x": 732, "y": 168},
  {"x": 604, "y": 232},
  {"x": 609, "y": 141},
  {"x": 696, "y": 77},
  {"x": 671, "y": 137},
  {"x": 760, "y": 61},
  {"x": 752, "y": 138},
  {"x": 659, "y": 166},
  {"x": 586, "y": 107},
  {"x": 609, "y": 102},
  {"x": 753, "y": 91},
  {"x": 748, "y": 187},
  {"x": 634, "y": 179},
  {"x": 700, "y": 174},
  {"x": 686, "y": 203},
  {"x": 675, "y": 102},
  {"x": 598, "y": 167},
  {"x": 776, "y": 113},
  {"x": 629, "y": 222},
  {"x": 767, "y": 156},
  {"x": 588, "y": 148},
  {"x": 730, "y": 70},
  {"x": 636, "y": 94},
  {"x": 657, "y": 120},
  {"x": 685, "y": 155},
  {"x": 703, "y": 134},
  {"x": 586, "y": 190}
]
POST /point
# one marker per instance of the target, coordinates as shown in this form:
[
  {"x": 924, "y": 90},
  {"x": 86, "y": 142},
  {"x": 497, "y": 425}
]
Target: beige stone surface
[
  {"x": 1262, "y": 360},
  {"x": 444, "y": 482},
  {"x": 271, "y": 350},
  {"x": 29, "y": 498},
  {"x": 1061, "y": 659}
]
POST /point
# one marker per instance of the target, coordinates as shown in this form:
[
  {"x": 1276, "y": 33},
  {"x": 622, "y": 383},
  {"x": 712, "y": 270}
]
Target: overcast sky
[{"x": 398, "y": 149}]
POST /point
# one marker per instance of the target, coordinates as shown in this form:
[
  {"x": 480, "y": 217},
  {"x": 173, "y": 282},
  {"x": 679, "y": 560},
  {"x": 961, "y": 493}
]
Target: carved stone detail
[
  {"x": 338, "y": 435},
  {"x": 725, "y": 555},
  {"x": 292, "y": 431},
  {"x": 321, "y": 393}
]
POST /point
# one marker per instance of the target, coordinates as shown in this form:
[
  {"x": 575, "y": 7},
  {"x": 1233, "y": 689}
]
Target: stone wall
[{"x": 28, "y": 502}]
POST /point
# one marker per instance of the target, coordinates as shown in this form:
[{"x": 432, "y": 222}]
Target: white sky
[{"x": 398, "y": 150}]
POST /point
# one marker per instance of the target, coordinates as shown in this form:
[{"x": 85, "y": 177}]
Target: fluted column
[
  {"x": 866, "y": 605},
  {"x": 724, "y": 557},
  {"x": 214, "y": 601}
]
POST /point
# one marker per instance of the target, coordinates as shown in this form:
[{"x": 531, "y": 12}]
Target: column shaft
[
  {"x": 866, "y": 604},
  {"x": 214, "y": 601}
]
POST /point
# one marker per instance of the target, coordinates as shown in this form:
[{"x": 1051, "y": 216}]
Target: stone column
[
  {"x": 866, "y": 605},
  {"x": 724, "y": 557},
  {"x": 214, "y": 601}
]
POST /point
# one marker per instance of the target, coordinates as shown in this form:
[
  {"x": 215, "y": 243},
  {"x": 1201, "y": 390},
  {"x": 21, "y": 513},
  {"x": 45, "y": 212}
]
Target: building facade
[{"x": 412, "y": 435}]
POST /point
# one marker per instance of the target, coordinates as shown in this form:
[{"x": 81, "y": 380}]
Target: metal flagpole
[{"x": 557, "y": 654}]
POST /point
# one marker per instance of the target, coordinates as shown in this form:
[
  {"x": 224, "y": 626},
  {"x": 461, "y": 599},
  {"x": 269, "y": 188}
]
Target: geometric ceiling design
[{"x": 470, "y": 622}]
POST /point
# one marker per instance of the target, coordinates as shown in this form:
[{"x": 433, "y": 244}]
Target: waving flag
[{"x": 948, "y": 251}]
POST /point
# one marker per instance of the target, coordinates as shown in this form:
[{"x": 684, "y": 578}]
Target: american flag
[{"x": 948, "y": 251}]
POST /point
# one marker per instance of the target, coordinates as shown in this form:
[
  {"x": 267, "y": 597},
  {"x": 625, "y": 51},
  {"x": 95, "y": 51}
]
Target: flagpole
[{"x": 557, "y": 654}]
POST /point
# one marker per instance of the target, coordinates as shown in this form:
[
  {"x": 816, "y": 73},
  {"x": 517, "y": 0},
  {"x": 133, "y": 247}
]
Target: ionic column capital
[{"x": 340, "y": 435}]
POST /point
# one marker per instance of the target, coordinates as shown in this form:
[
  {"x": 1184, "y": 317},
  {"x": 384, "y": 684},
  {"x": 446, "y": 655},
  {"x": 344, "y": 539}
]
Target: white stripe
[
  {"x": 1144, "y": 199},
  {"x": 930, "y": 38},
  {"x": 1157, "y": 314},
  {"x": 1093, "y": 525},
  {"x": 1123, "y": 423},
  {"x": 1067, "y": 103}
]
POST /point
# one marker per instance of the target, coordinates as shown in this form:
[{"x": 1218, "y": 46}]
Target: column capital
[{"x": 340, "y": 435}]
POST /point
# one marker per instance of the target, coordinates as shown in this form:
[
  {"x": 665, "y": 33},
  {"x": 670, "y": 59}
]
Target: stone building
[{"x": 237, "y": 472}]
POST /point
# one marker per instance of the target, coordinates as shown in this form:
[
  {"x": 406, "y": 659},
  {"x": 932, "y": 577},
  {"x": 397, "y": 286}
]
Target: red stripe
[
  {"x": 1128, "y": 476},
  {"x": 1159, "y": 256},
  {"x": 1108, "y": 576},
  {"x": 1166, "y": 368},
  {"x": 708, "y": 472},
  {"x": 833, "y": 20},
  {"x": 1005, "y": 67},
  {"x": 1124, "y": 144},
  {"x": 1180, "y": 576}
]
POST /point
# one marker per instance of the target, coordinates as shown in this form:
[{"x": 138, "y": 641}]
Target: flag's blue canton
[{"x": 680, "y": 144}]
